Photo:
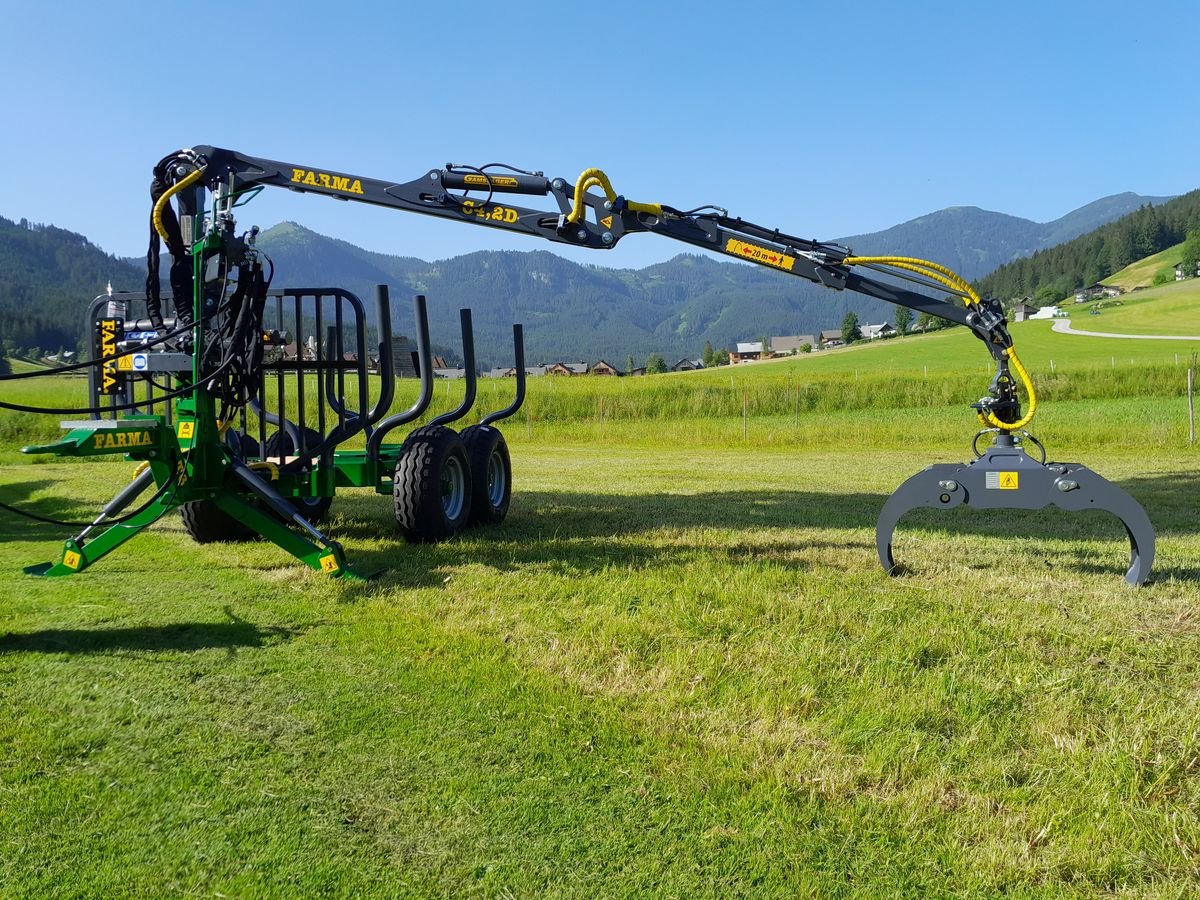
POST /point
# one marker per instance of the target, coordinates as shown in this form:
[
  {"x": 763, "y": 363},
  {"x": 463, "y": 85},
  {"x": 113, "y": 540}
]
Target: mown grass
[
  {"x": 676, "y": 670},
  {"x": 671, "y": 672}
]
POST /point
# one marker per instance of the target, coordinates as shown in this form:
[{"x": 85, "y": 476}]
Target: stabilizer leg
[
  {"x": 77, "y": 555},
  {"x": 316, "y": 551}
]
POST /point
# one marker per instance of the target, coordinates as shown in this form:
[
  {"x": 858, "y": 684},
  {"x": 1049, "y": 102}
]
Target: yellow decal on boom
[
  {"x": 123, "y": 439},
  {"x": 329, "y": 564},
  {"x": 491, "y": 180},
  {"x": 764, "y": 255},
  {"x": 185, "y": 430},
  {"x": 324, "y": 180},
  {"x": 607, "y": 221},
  {"x": 491, "y": 213}
]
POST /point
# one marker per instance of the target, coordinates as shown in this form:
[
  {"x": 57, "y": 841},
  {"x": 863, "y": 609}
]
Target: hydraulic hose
[
  {"x": 160, "y": 205},
  {"x": 959, "y": 285},
  {"x": 596, "y": 178}
]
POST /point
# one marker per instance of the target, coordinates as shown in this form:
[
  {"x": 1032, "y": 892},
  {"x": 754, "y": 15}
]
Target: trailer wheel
[
  {"x": 241, "y": 445},
  {"x": 491, "y": 474},
  {"x": 280, "y": 446},
  {"x": 431, "y": 488},
  {"x": 207, "y": 523}
]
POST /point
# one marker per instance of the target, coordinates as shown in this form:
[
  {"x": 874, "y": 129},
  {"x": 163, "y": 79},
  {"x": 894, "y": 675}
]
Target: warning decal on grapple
[
  {"x": 71, "y": 559},
  {"x": 1002, "y": 481},
  {"x": 329, "y": 564}
]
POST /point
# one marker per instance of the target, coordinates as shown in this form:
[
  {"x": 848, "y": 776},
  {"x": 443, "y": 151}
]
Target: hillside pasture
[
  {"x": 1168, "y": 309},
  {"x": 1142, "y": 272}
]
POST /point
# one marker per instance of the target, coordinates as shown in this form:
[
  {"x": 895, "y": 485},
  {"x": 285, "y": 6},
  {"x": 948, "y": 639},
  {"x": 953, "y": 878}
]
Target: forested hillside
[
  {"x": 571, "y": 311},
  {"x": 47, "y": 278},
  {"x": 1052, "y": 274}
]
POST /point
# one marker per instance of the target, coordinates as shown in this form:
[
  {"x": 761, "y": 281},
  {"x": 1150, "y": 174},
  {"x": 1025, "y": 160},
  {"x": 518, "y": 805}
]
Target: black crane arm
[{"x": 582, "y": 218}]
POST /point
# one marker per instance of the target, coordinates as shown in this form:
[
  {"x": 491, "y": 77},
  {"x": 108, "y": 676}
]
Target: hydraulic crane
[{"x": 194, "y": 194}]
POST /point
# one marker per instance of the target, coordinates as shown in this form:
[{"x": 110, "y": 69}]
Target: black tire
[
  {"x": 280, "y": 446},
  {"x": 241, "y": 445},
  {"x": 207, "y": 523},
  {"x": 491, "y": 474},
  {"x": 431, "y": 488}
]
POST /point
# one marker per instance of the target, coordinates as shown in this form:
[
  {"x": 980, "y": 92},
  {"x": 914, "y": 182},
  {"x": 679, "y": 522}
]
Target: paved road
[{"x": 1063, "y": 326}]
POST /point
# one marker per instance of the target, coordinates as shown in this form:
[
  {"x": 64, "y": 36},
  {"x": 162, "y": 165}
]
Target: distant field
[{"x": 1168, "y": 309}]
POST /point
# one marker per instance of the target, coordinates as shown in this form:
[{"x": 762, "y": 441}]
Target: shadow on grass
[
  {"x": 179, "y": 637},
  {"x": 580, "y": 532},
  {"x": 14, "y": 526}
]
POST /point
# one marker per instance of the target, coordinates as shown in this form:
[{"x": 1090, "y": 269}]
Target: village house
[
  {"x": 1023, "y": 311},
  {"x": 832, "y": 337},
  {"x": 563, "y": 368},
  {"x": 1182, "y": 273},
  {"x": 1097, "y": 290},
  {"x": 600, "y": 367},
  {"x": 874, "y": 332},
  {"x": 745, "y": 352},
  {"x": 787, "y": 344},
  {"x": 687, "y": 365}
]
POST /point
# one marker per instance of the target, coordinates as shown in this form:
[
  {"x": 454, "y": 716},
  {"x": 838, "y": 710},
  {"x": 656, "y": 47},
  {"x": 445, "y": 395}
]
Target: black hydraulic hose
[
  {"x": 87, "y": 410},
  {"x": 74, "y": 367},
  {"x": 170, "y": 482}
]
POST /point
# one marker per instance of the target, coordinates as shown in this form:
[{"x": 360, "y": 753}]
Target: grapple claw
[{"x": 1004, "y": 477}]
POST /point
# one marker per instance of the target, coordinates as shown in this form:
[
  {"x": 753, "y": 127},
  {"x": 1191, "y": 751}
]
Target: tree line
[{"x": 1057, "y": 272}]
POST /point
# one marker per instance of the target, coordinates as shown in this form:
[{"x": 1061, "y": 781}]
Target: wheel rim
[
  {"x": 497, "y": 479},
  {"x": 454, "y": 484}
]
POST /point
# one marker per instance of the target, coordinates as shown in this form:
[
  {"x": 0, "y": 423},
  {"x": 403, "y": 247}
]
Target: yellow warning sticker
[
  {"x": 125, "y": 363},
  {"x": 186, "y": 430},
  {"x": 71, "y": 559},
  {"x": 764, "y": 255},
  {"x": 606, "y": 221},
  {"x": 1002, "y": 481},
  {"x": 329, "y": 564}
]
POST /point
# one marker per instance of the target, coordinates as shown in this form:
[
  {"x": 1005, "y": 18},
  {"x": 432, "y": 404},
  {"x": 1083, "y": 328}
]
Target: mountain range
[{"x": 570, "y": 311}]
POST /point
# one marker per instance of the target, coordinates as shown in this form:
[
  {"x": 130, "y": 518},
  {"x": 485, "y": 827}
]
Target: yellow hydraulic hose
[
  {"x": 593, "y": 178},
  {"x": 156, "y": 216},
  {"x": 938, "y": 273},
  {"x": 990, "y": 418},
  {"x": 956, "y": 283}
]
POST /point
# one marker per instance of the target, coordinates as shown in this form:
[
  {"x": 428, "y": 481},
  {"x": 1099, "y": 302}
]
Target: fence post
[
  {"x": 1191, "y": 384},
  {"x": 745, "y": 415}
]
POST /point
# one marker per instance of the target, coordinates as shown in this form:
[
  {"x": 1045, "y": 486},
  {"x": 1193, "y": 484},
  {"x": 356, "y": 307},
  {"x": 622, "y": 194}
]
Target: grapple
[{"x": 1004, "y": 476}]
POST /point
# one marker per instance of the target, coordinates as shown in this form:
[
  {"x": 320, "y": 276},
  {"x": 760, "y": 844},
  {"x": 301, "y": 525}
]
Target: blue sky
[{"x": 820, "y": 119}]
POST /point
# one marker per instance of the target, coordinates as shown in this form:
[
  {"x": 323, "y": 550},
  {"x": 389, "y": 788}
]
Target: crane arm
[{"x": 492, "y": 196}]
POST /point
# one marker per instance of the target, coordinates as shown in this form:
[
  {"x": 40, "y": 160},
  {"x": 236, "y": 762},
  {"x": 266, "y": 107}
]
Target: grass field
[
  {"x": 676, "y": 670},
  {"x": 1169, "y": 309}
]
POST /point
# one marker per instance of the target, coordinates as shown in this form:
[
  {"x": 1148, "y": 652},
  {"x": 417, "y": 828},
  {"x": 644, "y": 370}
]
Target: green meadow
[{"x": 676, "y": 670}]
